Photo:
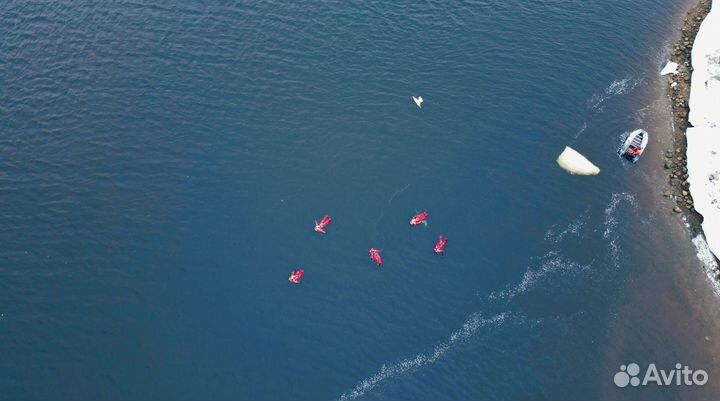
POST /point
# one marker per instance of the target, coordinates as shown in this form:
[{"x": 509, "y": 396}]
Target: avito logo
[{"x": 680, "y": 376}]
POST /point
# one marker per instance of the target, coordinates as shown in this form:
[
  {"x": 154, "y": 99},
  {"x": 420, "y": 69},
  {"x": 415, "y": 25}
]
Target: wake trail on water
[
  {"x": 616, "y": 88},
  {"x": 471, "y": 326},
  {"x": 610, "y": 224},
  {"x": 552, "y": 264},
  {"x": 582, "y": 129},
  {"x": 571, "y": 229},
  {"x": 555, "y": 263},
  {"x": 597, "y": 101},
  {"x": 398, "y": 192}
]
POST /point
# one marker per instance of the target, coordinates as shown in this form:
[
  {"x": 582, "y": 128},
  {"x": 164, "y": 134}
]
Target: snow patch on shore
[
  {"x": 703, "y": 138},
  {"x": 708, "y": 260}
]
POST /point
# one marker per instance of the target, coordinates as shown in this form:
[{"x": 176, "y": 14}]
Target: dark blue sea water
[{"x": 161, "y": 165}]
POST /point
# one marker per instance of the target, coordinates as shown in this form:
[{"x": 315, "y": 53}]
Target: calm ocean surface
[{"x": 161, "y": 165}]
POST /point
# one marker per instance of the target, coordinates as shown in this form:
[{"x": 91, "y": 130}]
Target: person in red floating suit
[
  {"x": 375, "y": 256},
  {"x": 295, "y": 276},
  {"x": 419, "y": 219},
  {"x": 320, "y": 227},
  {"x": 440, "y": 246}
]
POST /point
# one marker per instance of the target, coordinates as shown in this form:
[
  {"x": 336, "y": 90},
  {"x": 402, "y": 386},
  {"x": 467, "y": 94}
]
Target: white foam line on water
[
  {"x": 399, "y": 191},
  {"x": 616, "y": 88},
  {"x": 469, "y": 328},
  {"x": 572, "y": 228},
  {"x": 611, "y": 223},
  {"x": 581, "y": 129},
  {"x": 553, "y": 264}
]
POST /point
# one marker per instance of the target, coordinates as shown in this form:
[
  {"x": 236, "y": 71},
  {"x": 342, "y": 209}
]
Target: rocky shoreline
[{"x": 678, "y": 89}]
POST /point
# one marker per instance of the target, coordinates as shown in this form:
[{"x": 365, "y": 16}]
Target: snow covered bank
[{"x": 703, "y": 137}]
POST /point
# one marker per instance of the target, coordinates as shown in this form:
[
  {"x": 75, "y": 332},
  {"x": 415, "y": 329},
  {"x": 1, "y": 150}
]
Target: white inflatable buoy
[
  {"x": 418, "y": 101},
  {"x": 575, "y": 163},
  {"x": 670, "y": 68}
]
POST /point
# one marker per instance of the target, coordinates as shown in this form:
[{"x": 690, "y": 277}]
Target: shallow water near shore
[{"x": 162, "y": 167}]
